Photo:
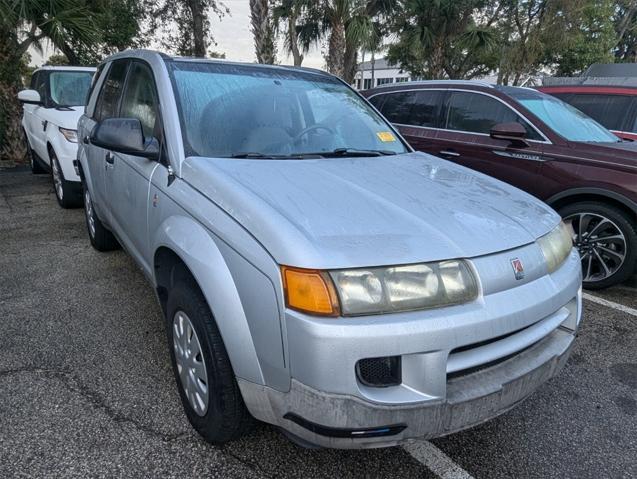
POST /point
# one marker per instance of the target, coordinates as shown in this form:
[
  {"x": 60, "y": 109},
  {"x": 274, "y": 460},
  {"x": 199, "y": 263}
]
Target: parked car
[
  {"x": 314, "y": 272},
  {"x": 539, "y": 144},
  {"x": 605, "y": 92},
  {"x": 615, "y": 107},
  {"x": 52, "y": 105}
]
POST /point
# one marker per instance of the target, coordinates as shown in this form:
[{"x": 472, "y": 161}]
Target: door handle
[
  {"x": 110, "y": 159},
  {"x": 86, "y": 140},
  {"x": 449, "y": 153}
]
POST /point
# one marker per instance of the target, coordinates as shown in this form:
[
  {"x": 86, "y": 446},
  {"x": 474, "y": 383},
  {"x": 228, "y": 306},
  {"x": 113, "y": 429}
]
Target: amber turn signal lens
[{"x": 309, "y": 291}]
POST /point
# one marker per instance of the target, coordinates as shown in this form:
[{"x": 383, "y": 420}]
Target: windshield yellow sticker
[{"x": 385, "y": 136}]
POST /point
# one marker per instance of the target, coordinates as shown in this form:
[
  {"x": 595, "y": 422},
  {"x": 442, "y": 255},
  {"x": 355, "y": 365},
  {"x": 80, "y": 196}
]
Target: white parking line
[
  {"x": 610, "y": 304},
  {"x": 436, "y": 460}
]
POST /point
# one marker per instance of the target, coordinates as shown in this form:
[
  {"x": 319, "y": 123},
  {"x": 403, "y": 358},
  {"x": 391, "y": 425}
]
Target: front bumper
[{"x": 461, "y": 365}]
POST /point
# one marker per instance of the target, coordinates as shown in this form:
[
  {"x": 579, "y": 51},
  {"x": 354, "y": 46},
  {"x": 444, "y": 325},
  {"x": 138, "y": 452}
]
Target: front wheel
[
  {"x": 205, "y": 379},
  {"x": 65, "y": 193},
  {"x": 606, "y": 240}
]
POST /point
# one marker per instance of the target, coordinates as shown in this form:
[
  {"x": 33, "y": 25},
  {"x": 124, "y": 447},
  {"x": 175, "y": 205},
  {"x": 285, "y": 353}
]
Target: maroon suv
[{"x": 539, "y": 144}]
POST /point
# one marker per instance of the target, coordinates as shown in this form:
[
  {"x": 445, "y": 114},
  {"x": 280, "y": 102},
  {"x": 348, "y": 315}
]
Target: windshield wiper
[
  {"x": 344, "y": 152},
  {"x": 253, "y": 154}
]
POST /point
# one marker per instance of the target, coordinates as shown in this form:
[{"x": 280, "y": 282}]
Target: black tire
[
  {"x": 625, "y": 223},
  {"x": 101, "y": 238},
  {"x": 66, "y": 192},
  {"x": 226, "y": 417},
  {"x": 36, "y": 167}
]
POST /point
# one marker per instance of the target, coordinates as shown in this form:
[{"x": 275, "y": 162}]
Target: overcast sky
[{"x": 232, "y": 35}]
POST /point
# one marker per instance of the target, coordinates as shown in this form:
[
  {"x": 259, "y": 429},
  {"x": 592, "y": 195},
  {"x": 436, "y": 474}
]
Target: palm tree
[
  {"x": 24, "y": 23},
  {"x": 348, "y": 25},
  {"x": 287, "y": 13},
  {"x": 263, "y": 31}
]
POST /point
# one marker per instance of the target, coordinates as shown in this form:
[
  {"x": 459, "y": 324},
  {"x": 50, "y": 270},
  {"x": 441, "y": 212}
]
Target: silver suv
[{"x": 314, "y": 272}]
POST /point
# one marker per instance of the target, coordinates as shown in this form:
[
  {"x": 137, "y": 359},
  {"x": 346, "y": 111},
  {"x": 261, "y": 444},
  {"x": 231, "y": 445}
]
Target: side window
[
  {"x": 476, "y": 113},
  {"x": 91, "y": 89},
  {"x": 609, "y": 110},
  {"x": 377, "y": 101},
  {"x": 39, "y": 84},
  {"x": 397, "y": 107},
  {"x": 140, "y": 99},
  {"x": 106, "y": 106},
  {"x": 426, "y": 108},
  {"x": 417, "y": 108},
  {"x": 34, "y": 80}
]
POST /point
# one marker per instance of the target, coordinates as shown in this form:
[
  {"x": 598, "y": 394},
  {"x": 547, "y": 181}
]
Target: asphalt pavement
[{"x": 86, "y": 387}]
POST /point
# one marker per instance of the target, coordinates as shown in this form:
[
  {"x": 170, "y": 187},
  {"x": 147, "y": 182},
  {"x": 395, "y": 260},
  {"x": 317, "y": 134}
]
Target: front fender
[
  {"x": 65, "y": 151},
  {"x": 198, "y": 250}
]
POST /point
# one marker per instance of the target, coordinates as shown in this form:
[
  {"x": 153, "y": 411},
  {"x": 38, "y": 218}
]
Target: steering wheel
[{"x": 309, "y": 129}]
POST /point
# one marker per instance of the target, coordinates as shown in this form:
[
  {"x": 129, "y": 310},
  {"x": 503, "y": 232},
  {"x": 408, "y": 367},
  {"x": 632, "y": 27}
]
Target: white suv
[{"x": 52, "y": 106}]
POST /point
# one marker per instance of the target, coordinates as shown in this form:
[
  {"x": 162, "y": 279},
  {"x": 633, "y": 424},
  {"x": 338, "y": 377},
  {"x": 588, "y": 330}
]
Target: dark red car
[{"x": 538, "y": 143}]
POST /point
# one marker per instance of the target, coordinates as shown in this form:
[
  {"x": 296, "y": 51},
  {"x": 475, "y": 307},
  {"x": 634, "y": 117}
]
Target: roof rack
[{"x": 446, "y": 82}]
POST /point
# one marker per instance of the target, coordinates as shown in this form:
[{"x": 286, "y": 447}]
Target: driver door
[{"x": 128, "y": 177}]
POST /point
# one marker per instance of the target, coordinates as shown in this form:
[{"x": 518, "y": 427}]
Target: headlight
[
  {"x": 356, "y": 292},
  {"x": 70, "y": 135},
  {"x": 556, "y": 245}
]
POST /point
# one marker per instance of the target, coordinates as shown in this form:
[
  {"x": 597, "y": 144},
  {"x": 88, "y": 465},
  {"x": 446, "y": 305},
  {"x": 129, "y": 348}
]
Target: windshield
[
  {"x": 70, "y": 88},
  {"x": 242, "y": 110},
  {"x": 562, "y": 118}
]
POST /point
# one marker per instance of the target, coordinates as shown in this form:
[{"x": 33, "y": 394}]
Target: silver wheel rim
[
  {"x": 57, "y": 178},
  {"x": 601, "y": 245},
  {"x": 190, "y": 363},
  {"x": 88, "y": 207}
]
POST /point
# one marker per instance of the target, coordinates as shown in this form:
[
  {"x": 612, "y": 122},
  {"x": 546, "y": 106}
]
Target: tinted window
[
  {"x": 228, "y": 110},
  {"x": 69, "y": 88},
  {"x": 478, "y": 113},
  {"x": 34, "y": 80},
  {"x": 111, "y": 90},
  {"x": 40, "y": 84},
  {"x": 610, "y": 110},
  {"x": 140, "y": 98},
  {"x": 418, "y": 108}
]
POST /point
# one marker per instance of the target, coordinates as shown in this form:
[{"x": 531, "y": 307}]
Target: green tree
[
  {"x": 286, "y": 16},
  {"x": 445, "y": 38},
  {"x": 184, "y": 25},
  {"x": 24, "y": 23},
  {"x": 625, "y": 19},
  {"x": 590, "y": 39},
  {"x": 263, "y": 31}
]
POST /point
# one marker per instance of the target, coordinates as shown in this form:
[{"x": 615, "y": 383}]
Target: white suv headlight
[
  {"x": 404, "y": 288},
  {"x": 556, "y": 245},
  {"x": 70, "y": 135}
]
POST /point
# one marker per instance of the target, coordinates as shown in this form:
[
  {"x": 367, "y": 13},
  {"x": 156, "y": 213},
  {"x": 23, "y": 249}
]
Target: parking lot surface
[{"x": 86, "y": 387}]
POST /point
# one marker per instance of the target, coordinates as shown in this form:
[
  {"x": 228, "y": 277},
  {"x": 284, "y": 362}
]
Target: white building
[{"x": 370, "y": 74}]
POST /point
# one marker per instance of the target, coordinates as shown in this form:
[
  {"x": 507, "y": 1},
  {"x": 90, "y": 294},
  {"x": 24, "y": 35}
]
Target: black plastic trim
[{"x": 357, "y": 433}]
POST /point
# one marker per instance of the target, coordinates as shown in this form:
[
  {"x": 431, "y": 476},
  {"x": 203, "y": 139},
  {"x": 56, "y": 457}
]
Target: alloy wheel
[
  {"x": 601, "y": 245},
  {"x": 190, "y": 363},
  {"x": 88, "y": 208},
  {"x": 57, "y": 178}
]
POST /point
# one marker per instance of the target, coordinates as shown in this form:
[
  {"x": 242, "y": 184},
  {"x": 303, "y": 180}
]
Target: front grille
[{"x": 379, "y": 372}]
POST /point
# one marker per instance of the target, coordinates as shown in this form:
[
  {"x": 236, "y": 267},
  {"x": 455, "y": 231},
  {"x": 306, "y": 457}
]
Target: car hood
[
  {"x": 64, "y": 117},
  {"x": 349, "y": 212}
]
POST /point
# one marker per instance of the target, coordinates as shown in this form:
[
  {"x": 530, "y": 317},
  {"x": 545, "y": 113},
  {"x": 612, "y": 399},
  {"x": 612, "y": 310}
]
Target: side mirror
[
  {"x": 29, "y": 97},
  {"x": 513, "y": 132},
  {"x": 124, "y": 135}
]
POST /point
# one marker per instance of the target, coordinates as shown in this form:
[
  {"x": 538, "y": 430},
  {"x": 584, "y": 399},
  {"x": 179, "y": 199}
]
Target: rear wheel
[
  {"x": 606, "y": 240},
  {"x": 205, "y": 379},
  {"x": 101, "y": 238},
  {"x": 66, "y": 195}
]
